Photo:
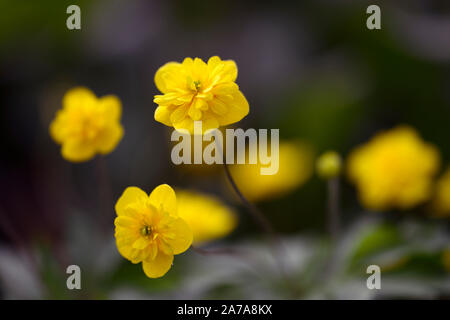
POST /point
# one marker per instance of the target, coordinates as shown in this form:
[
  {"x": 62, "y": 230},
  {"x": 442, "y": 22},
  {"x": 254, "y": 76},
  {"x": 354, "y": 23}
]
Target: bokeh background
[{"x": 310, "y": 68}]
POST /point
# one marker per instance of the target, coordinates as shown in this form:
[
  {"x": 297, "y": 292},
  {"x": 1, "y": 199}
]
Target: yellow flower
[
  {"x": 329, "y": 165},
  {"x": 441, "y": 198},
  {"x": 394, "y": 170},
  {"x": 207, "y": 216},
  {"x": 196, "y": 91},
  {"x": 87, "y": 125},
  {"x": 149, "y": 230},
  {"x": 295, "y": 167}
]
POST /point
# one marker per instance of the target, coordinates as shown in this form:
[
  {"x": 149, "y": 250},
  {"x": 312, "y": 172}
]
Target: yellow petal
[
  {"x": 126, "y": 222},
  {"x": 79, "y": 97},
  {"x": 162, "y": 114},
  {"x": 159, "y": 266},
  {"x": 185, "y": 124},
  {"x": 164, "y": 197},
  {"x": 160, "y": 78},
  {"x": 165, "y": 247},
  {"x": 178, "y": 114},
  {"x": 77, "y": 150},
  {"x": 210, "y": 123},
  {"x": 194, "y": 112},
  {"x": 188, "y": 63},
  {"x": 153, "y": 250},
  {"x": 136, "y": 255},
  {"x": 57, "y": 127},
  {"x": 225, "y": 69},
  {"x": 218, "y": 107},
  {"x": 141, "y": 243},
  {"x": 182, "y": 239},
  {"x": 125, "y": 248},
  {"x": 213, "y": 62},
  {"x": 199, "y": 70},
  {"x": 237, "y": 110},
  {"x": 111, "y": 106},
  {"x": 109, "y": 138},
  {"x": 208, "y": 217},
  {"x": 200, "y": 104},
  {"x": 130, "y": 195}
]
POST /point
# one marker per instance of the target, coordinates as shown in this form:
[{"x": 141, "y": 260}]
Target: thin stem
[
  {"x": 258, "y": 216},
  {"x": 333, "y": 208},
  {"x": 276, "y": 244},
  {"x": 254, "y": 211},
  {"x": 333, "y": 222}
]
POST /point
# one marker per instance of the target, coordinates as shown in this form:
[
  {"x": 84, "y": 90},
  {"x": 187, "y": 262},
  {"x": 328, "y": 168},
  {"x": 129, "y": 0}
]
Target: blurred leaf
[{"x": 379, "y": 238}]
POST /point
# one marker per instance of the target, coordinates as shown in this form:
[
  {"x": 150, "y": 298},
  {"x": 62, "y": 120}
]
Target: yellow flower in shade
[
  {"x": 394, "y": 170},
  {"x": 441, "y": 198},
  {"x": 197, "y": 91},
  {"x": 208, "y": 217},
  {"x": 149, "y": 230},
  {"x": 87, "y": 125},
  {"x": 295, "y": 167},
  {"x": 329, "y": 165}
]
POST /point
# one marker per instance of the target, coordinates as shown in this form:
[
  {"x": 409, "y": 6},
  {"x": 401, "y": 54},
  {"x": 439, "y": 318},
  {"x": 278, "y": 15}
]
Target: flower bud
[{"x": 329, "y": 165}]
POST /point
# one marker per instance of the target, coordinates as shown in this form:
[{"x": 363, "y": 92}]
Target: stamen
[
  {"x": 197, "y": 84},
  {"x": 146, "y": 231}
]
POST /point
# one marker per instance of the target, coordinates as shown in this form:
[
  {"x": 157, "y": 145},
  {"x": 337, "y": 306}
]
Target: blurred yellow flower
[
  {"x": 295, "y": 167},
  {"x": 87, "y": 125},
  {"x": 329, "y": 165},
  {"x": 208, "y": 217},
  {"x": 149, "y": 230},
  {"x": 441, "y": 198},
  {"x": 197, "y": 91},
  {"x": 394, "y": 170}
]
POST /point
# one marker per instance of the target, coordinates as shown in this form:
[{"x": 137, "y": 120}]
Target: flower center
[
  {"x": 89, "y": 128},
  {"x": 146, "y": 231},
  {"x": 197, "y": 84}
]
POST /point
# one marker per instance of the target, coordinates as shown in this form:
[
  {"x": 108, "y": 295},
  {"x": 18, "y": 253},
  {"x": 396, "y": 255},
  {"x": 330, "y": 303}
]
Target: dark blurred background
[{"x": 310, "y": 68}]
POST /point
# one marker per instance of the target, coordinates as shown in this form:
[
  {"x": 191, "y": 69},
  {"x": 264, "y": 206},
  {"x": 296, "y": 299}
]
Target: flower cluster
[{"x": 395, "y": 169}]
